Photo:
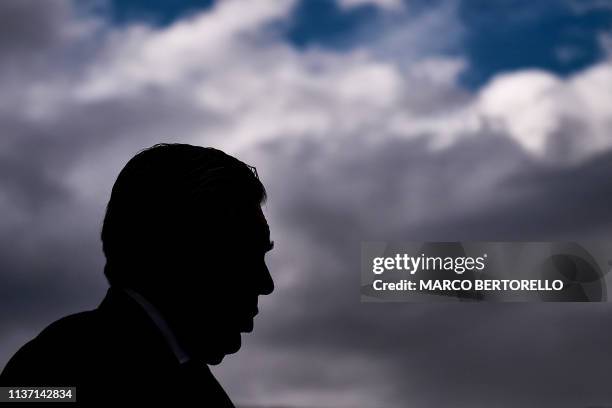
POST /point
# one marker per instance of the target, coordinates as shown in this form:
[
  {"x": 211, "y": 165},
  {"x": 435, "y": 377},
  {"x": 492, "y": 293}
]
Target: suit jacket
[{"x": 112, "y": 354}]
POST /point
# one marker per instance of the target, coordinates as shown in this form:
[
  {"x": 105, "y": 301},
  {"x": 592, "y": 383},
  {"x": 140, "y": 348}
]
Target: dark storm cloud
[
  {"x": 526, "y": 202},
  {"x": 35, "y": 285},
  {"x": 439, "y": 355},
  {"x": 27, "y": 26},
  {"x": 545, "y": 204},
  {"x": 41, "y": 40}
]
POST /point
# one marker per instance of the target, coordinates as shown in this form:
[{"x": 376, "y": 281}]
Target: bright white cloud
[{"x": 218, "y": 62}]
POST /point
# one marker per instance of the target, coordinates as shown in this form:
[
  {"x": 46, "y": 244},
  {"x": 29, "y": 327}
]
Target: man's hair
[{"x": 161, "y": 193}]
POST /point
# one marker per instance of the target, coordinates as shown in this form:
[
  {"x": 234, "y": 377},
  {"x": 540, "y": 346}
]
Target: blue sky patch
[{"x": 500, "y": 36}]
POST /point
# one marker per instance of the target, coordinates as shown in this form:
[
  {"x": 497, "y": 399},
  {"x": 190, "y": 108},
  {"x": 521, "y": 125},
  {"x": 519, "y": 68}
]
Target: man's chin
[
  {"x": 234, "y": 343},
  {"x": 230, "y": 346},
  {"x": 214, "y": 360}
]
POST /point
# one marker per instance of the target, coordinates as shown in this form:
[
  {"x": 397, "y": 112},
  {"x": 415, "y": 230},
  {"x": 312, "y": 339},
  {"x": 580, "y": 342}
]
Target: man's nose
[{"x": 266, "y": 285}]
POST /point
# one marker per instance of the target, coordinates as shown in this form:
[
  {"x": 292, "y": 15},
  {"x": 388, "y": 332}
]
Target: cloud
[
  {"x": 28, "y": 28},
  {"x": 353, "y": 145},
  {"x": 384, "y": 4},
  {"x": 531, "y": 106}
]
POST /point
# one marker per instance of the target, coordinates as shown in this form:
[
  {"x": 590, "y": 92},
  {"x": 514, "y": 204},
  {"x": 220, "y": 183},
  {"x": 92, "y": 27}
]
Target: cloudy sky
[{"x": 367, "y": 120}]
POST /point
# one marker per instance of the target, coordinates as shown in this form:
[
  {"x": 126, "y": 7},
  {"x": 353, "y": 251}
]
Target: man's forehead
[
  {"x": 247, "y": 220},
  {"x": 262, "y": 222},
  {"x": 253, "y": 217}
]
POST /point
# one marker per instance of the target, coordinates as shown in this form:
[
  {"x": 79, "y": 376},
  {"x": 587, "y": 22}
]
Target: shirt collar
[{"x": 180, "y": 354}]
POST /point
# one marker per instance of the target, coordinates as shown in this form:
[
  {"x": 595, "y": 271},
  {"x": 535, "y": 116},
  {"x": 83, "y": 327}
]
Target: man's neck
[{"x": 181, "y": 355}]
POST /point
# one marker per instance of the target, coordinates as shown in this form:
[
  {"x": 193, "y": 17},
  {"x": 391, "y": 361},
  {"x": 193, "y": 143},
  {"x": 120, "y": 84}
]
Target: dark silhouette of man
[{"x": 184, "y": 239}]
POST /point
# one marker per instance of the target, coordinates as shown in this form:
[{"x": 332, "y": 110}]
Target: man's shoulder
[
  {"x": 113, "y": 343},
  {"x": 59, "y": 347},
  {"x": 74, "y": 325},
  {"x": 71, "y": 331}
]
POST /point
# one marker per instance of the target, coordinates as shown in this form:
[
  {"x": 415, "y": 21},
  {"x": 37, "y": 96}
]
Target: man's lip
[{"x": 247, "y": 327}]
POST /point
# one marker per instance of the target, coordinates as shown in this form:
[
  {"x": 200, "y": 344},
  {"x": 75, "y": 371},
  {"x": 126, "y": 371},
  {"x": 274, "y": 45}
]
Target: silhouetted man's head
[{"x": 184, "y": 228}]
